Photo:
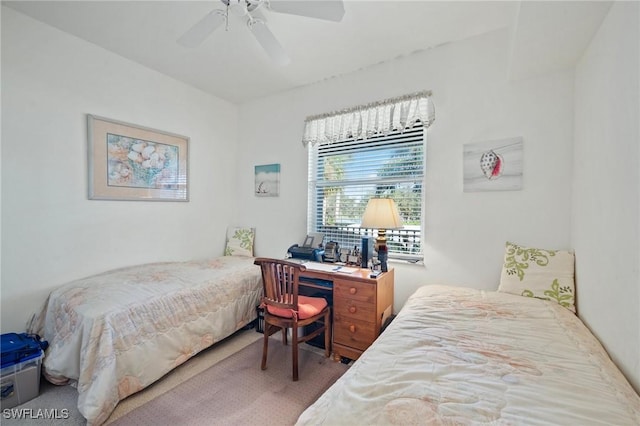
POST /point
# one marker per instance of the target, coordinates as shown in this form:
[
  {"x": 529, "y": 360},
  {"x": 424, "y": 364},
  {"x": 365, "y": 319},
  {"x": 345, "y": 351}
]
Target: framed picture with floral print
[{"x": 130, "y": 162}]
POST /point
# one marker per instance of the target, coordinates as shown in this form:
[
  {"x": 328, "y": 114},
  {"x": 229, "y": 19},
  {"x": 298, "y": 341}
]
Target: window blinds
[{"x": 345, "y": 174}]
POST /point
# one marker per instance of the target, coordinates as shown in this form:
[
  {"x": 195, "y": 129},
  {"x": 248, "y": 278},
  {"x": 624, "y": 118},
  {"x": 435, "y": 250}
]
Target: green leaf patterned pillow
[
  {"x": 239, "y": 242},
  {"x": 544, "y": 274}
]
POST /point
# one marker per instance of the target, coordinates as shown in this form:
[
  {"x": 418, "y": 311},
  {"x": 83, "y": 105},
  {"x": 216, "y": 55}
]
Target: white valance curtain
[{"x": 365, "y": 121}]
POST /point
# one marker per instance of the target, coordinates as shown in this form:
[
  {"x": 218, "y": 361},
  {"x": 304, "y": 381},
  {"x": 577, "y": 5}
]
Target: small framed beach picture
[
  {"x": 131, "y": 162},
  {"x": 267, "y": 180}
]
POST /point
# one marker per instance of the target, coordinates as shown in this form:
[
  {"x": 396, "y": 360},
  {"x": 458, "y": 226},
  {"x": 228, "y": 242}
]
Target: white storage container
[{"x": 20, "y": 382}]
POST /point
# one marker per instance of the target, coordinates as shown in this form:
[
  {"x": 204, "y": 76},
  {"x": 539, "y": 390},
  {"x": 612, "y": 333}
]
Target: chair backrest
[{"x": 280, "y": 280}]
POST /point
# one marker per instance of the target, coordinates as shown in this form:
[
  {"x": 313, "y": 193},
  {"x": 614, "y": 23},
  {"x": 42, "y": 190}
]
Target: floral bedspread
[
  {"x": 464, "y": 356},
  {"x": 115, "y": 333}
]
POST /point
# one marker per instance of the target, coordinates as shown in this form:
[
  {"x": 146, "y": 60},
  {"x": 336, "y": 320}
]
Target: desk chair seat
[
  {"x": 284, "y": 309},
  {"x": 307, "y": 308}
]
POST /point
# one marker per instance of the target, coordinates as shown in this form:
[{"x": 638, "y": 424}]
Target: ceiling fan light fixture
[
  {"x": 238, "y": 7},
  {"x": 331, "y": 10},
  {"x": 255, "y": 4}
]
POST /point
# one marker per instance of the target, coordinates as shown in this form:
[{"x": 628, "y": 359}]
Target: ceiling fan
[{"x": 330, "y": 10}]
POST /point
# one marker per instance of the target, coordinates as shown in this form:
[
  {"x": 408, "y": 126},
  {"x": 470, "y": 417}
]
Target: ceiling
[{"x": 231, "y": 64}]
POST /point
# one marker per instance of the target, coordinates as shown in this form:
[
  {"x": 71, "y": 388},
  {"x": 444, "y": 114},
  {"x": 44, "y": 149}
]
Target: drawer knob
[
  {"x": 353, "y": 290},
  {"x": 352, "y": 328},
  {"x": 352, "y": 309}
]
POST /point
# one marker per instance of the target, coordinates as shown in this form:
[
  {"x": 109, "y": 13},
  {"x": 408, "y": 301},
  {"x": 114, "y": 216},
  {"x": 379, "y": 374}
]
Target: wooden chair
[{"x": 283, "y": 308}]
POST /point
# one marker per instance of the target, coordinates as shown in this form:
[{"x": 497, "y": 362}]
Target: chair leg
[
  {"x": 327, "y": 334},
  {"x": 265, "y": 346},
  {"x": 294, "y": 350},
  {"x": 284, "y": 336}
]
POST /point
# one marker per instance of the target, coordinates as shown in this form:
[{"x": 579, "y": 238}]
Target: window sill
[{"x": 400, "y": 261}]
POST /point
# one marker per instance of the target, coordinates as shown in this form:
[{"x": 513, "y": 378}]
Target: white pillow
[
  {"x": 239, "y": 242},
  {"x": 541, "y": 273}
]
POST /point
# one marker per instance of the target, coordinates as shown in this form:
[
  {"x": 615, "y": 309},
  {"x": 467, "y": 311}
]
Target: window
[{"x": 343, "y": 176}]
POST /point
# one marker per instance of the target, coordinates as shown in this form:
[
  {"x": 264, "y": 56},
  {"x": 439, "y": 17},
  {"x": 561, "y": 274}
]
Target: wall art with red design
[{"x": 493, "y": 165}]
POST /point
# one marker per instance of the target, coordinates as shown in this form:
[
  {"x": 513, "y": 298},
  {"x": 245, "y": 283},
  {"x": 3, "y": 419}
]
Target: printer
[
  {"x": 306, "y": 253},
  {"x": 311, "y": 249}
]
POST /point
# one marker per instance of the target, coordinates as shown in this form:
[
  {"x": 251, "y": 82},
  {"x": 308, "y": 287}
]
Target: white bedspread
[
  {"x": 115, "y": 333},
  {"x": 464, "y": 356}
]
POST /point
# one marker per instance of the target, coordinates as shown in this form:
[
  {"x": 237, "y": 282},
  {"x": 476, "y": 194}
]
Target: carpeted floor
[
  {"x": 237, "y": 392},
  {"x": 221, "y": 385}
]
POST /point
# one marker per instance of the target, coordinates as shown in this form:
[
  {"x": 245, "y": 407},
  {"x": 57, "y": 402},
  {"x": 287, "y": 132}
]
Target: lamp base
[{"x": 381, "y": 239}]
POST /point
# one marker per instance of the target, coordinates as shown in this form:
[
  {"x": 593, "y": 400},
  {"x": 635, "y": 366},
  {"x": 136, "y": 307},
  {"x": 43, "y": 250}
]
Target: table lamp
[{"x": 381, "y": 214}]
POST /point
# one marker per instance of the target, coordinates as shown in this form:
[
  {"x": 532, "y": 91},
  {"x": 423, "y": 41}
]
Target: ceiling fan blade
[
  {"x": 269, "y": 42},
  {"x": 329, "y": 10},
  {"x": 202, "y": 29}
]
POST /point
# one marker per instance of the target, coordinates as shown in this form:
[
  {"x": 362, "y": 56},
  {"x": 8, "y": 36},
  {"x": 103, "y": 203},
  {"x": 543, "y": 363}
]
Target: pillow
[
  {"x": 239, "y": 242},
  {"x": 544, "y": 274}
]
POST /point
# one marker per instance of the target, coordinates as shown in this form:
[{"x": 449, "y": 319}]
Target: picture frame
[
  {"x": 131, "y": 162},
  {"x": 495, "y": 165},
  {"x": 267, "y": 180}
]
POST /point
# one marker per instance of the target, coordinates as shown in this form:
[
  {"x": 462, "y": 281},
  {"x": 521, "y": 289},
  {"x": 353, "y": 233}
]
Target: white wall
[
  {"x": 465, "y": 232},
  {"x": 51, "y": 232},
  {"x": 1, "y": 9},
  {"x": 606, "y": 186}
]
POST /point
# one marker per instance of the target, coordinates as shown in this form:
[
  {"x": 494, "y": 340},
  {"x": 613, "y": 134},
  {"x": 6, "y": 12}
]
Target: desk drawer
[
  {"x": 354, "y": 291},
  {"x": 352, "y": 332},
  {"x": 356, "y": 309}
]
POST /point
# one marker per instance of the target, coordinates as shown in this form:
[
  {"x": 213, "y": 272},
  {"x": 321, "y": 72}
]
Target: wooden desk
[{"x": 360, "y": 306}]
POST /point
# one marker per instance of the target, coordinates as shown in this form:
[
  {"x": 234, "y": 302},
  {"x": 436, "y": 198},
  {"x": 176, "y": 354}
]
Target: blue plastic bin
[{"x": 21, "y": 362}]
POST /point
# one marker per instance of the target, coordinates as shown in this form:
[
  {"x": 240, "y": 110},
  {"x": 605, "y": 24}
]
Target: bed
[
  {"x": 113, "y": 334},
  {"x": 465, "y": 356}
]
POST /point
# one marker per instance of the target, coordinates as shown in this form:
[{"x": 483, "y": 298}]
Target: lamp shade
[{"x": 381, "y": 213}]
